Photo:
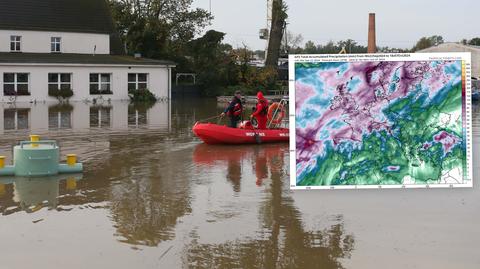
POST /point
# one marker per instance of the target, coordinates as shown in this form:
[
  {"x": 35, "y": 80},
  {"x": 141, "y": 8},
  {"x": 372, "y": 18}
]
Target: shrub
[
  {"x": 62, "y": 94},
  {"x": 142, "y": 95},
  {"x": 65, "y": 93},
  {"x": 98, "y": 92}
]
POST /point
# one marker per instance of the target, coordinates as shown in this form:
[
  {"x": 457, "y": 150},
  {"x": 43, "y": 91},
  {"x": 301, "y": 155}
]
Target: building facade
[{"x": 52, "y": 45}]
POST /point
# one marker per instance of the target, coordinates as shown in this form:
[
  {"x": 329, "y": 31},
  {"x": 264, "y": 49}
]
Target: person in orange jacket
[{"x": 261, "y": 111}]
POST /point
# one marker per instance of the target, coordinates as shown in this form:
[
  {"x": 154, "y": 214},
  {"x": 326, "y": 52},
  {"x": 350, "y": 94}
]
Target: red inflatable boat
[{"x": 218, "y": 134}]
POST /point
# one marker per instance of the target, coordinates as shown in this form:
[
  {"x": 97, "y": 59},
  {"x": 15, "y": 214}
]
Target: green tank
[{"x": 36, "y": 158}]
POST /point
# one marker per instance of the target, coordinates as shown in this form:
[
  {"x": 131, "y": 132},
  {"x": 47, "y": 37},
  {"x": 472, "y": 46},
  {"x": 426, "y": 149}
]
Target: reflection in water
[
  {"x": 81, "y": 116},
  {"x": 33, "y": 194},
  {"x": 147, "y": 202},
  {"x": 138, "y": 115},
  {"x": 282, "y": 241},
  {"x": 60, "y": 116},
  {"x": 193, "y": 205},
  {"x": 100, "y": 116},
  {"x": 16, "y": 118}
]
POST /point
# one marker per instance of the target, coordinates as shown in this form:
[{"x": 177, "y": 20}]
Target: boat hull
[{"x": 211, "y": 133}]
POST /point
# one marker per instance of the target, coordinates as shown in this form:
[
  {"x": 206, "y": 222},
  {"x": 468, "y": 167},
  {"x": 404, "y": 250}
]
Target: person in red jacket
[{"x": 261, "y": 111}]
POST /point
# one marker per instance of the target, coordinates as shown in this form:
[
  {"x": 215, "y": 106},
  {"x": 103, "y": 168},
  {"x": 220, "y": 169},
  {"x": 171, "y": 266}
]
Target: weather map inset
[{"x": 380, "y": 121}]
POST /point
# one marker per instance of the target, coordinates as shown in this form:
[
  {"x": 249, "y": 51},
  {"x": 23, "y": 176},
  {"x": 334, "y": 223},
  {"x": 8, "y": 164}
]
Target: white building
[
  {"x": 70, "y": 44},
  {"x": 457, "y": 47}
]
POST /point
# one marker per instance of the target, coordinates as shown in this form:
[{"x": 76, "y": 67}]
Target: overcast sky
[{"x": 400, "y": 23}]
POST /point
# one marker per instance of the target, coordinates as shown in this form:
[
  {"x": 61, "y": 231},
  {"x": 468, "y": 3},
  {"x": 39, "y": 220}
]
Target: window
[
  {"x": 59, "y": 81},
  {"x": 100, "y": 116},
  {"x": 15, "y": 43},
  {"x": 15, "y": 84},
  {"x": 16, "y": 118},
  {"x": 100, "y": 84},
  {"x": 55, "y": 44},
  {"x": 137, "y": 81}
]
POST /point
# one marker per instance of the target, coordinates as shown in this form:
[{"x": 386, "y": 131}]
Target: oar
[{"x": 219, "y": 116}]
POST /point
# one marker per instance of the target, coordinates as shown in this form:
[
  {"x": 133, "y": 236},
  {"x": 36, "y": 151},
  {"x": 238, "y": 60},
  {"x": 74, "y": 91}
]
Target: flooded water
[{"x": 153, "y": 196}]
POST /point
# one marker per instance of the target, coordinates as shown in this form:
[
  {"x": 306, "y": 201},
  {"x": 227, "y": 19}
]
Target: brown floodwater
[{"x": 153, "y": 196}]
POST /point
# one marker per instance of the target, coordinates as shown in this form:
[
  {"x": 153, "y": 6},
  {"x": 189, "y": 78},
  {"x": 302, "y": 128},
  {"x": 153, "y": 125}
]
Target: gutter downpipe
[{"x": 169, "y": 99}]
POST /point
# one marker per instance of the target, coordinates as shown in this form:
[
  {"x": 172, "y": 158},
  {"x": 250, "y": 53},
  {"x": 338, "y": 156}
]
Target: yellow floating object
[
  {"x": 2, "y": 161},
  {"x": 71, "y": 184},
  {"x": 34, "y": 138},
  {"x": 2, "y": 189},
  {"x": 71, "y": 159}
]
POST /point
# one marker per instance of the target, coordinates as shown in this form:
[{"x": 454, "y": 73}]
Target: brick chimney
[{"x": 372, "y": 42}]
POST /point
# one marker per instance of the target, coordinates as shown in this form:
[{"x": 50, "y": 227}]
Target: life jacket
[{"x": 237, "y": 109}]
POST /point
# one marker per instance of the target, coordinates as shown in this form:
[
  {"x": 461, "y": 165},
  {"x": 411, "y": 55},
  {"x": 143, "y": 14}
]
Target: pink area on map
[
  {"x": 361, "y": 109},
  {"x": 447, "y": 140}
]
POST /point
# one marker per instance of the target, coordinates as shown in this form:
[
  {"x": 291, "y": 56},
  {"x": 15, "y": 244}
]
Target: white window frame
[
  {"x": 54, "y": 41},
  {"x": 60, "y": 116},
  {"x": 137, "y": 82},
  {"x": 15, "y": 83},
  {"x": 59, "y": 82},
  {"x": 100, "y": 83},
  {"x": 15, "y": 39},
  {"x": 16, "y": 122},
  {"x": 98, "y": 124}
]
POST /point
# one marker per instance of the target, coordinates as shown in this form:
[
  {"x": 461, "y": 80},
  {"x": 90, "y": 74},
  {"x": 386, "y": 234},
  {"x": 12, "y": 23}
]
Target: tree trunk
[{"x": 276, "y": 33}]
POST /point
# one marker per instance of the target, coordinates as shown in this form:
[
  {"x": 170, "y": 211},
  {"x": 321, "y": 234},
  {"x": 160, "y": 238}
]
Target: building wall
[
  {"x": 454, "y": 47},
  {"x": 158, "y": 81},
  {"x": 39, "y": 42}
]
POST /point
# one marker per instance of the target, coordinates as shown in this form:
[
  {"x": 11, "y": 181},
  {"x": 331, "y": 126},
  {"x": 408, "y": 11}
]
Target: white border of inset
[{"x": 391, "y": 57}]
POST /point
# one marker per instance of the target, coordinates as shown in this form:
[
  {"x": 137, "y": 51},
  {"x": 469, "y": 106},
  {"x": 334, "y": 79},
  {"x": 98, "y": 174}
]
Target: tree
[
  {"x": 310, "y": 48},
  {"x": 279, "y": 16},
  {"x": 291, "y": 41},
  {"x": 423, "y": 43},
  {"x": 436, "y": 40},
  {"x": 474, "y": 41},
  {"x": 351, "y": 46},
  {"x": 157, "y": 28},
  {"x": 427, "y": 42},
  {"x": 214, "y": 62},
  {"x": 391, "y": 50}
]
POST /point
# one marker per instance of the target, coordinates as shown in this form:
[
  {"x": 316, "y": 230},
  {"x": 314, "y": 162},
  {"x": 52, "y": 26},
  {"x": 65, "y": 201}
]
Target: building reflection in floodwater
[
  {"x": 82, "y": 116},
  {"x": 159, "y": 189}
]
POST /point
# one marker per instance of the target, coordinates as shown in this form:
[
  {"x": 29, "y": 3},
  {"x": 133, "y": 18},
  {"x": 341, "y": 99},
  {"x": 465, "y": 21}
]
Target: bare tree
[{"x": 292, "y": 41}]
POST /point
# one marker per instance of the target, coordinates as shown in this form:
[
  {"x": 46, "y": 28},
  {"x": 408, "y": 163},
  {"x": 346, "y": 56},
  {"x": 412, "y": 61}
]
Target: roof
[
  {"x": 84, "y": 16},
  {"x": 71, "y": 58},
  {"x": 451, "y": 47}
]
